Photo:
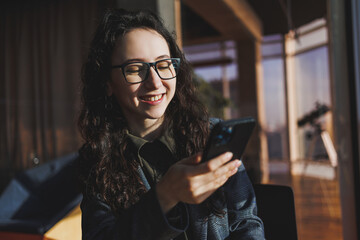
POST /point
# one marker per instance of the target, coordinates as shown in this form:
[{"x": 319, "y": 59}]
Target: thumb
[{"x": 193, "y": 160}]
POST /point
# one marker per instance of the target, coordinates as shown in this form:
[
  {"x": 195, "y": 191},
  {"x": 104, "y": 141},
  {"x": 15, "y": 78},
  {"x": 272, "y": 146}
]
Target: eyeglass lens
[{"x": 138, "y": 72}]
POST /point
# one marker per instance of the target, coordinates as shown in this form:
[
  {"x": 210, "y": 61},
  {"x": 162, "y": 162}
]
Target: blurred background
[{"x": 291, "y": 64}]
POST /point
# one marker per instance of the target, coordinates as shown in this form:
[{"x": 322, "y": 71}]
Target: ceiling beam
[{"x": 234, "y": 19}]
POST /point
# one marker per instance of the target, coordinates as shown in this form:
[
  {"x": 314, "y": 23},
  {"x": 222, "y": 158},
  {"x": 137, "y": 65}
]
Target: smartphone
[{"x": 229, "y": 136}]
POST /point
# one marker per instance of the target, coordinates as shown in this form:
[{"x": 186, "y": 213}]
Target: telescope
[{"x": 312, "y": 116}]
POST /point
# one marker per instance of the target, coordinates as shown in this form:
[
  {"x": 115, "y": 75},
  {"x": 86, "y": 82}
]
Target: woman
[{"x": 144, "y": 129}]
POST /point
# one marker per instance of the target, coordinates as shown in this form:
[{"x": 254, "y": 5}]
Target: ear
[{"x": 109, "y": 90}]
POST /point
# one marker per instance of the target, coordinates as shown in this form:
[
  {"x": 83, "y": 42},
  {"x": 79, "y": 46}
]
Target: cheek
[
  {"x": 127, "y": 95},
  {"x": 173, "y": 86},
  {"x": 123, "y": 93}
]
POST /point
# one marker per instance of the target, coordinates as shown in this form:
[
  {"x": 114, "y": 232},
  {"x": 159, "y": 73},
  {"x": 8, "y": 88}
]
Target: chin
[{"x": 156, "y": 114}]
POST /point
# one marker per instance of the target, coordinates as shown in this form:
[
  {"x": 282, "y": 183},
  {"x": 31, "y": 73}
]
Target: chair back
[{"x": 276, "y": 207}]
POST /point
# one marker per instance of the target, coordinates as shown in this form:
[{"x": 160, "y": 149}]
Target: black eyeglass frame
[{"x": 174, "y": 61}]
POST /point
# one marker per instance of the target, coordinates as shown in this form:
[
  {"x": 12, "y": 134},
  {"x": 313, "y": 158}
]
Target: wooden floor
[{"x": 317, "y": 203}]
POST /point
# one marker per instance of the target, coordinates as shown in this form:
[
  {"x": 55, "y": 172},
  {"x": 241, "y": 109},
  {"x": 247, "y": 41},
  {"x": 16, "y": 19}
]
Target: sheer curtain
[{"x": 43, "y": 44}]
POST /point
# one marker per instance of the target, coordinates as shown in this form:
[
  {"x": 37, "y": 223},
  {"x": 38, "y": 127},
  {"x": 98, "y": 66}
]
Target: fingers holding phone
[
  {"x": 220, "y": 169},
  {"x": 219, "y": 166},
  {"x": 192, "y": 182}
]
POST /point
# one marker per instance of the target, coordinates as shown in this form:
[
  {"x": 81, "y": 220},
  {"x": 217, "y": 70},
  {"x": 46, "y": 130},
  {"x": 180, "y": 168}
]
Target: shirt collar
[{"x": 166, "y": 138}]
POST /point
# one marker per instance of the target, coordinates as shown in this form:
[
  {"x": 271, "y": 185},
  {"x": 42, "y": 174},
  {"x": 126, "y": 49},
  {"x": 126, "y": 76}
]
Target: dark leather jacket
[{"x": 145, "y": 220}]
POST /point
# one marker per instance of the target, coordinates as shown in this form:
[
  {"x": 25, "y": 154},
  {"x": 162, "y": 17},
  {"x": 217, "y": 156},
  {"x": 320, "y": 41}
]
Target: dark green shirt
[{"x": 155, "y": 157}]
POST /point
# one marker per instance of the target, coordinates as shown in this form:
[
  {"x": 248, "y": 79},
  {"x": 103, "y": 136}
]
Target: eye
[
  {"x": 163, "y": 65},
  {"x": 134, "y": 68}
]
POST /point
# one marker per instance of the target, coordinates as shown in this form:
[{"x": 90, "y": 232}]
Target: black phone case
[{"x": 229, "y": 136}]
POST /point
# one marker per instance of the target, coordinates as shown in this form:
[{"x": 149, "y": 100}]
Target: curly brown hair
[{"x": 108, "y": 166}]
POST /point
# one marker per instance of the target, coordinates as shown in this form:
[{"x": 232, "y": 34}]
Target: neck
[{"x": 149, "y": 129}]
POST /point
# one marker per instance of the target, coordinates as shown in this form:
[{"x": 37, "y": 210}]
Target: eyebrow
[
  {"x": 162, "y": 57},
  {"x": 165, "y": 56}
]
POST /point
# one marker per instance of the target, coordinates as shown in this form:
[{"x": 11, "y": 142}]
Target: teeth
[{"x": 154, "y": 98}]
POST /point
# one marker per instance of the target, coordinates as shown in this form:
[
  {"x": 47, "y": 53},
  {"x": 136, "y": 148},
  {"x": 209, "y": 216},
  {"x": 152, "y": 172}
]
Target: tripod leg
[{"x": 330, "y": 149}]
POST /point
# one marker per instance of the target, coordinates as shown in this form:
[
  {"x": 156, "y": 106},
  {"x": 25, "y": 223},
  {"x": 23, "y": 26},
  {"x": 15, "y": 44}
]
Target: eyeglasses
[{"x": 136, "y": 72}]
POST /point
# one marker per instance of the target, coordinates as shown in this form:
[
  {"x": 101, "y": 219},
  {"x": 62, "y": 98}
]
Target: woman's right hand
[{"x": 190, "y": 181}]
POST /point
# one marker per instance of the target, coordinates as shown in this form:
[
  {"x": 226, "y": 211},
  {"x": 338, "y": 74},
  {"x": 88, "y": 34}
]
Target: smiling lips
[{"x": 152, "y": 99}]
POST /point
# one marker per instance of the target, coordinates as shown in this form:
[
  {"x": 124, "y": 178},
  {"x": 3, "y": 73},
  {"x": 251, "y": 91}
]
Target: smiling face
[{"x": 147, "y": 100}]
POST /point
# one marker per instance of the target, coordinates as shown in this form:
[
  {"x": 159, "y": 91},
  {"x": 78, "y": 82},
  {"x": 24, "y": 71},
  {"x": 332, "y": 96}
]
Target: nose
[{"x": 153, "y": 81}]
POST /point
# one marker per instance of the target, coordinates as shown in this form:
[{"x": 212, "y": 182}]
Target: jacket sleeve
[
  {"x": 143, "y": 220},
  {"x": 242, "y": 210}
]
